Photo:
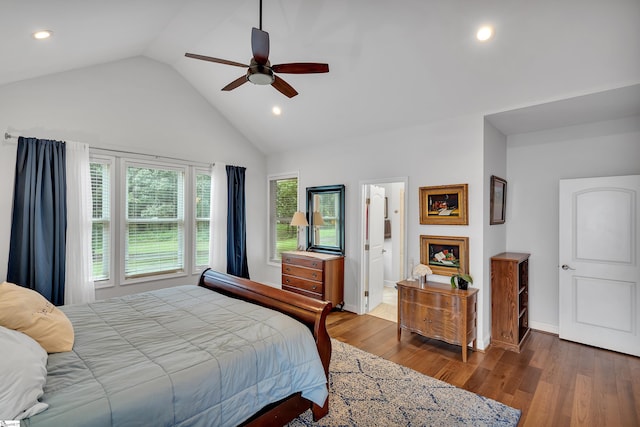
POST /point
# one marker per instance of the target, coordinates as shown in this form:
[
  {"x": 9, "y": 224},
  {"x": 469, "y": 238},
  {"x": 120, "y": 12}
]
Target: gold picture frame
[
  {"x": 444, "y": 204},
  {"x": 445, "y": 255}
]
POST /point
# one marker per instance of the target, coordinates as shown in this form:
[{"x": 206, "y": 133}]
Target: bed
[{"x": 191, "y": 356}]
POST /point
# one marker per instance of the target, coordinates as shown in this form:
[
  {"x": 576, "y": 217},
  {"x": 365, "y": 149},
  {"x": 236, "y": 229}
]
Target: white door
[
  {"x": 376, "y": 245},
  {"x": 599, "y": 262}
]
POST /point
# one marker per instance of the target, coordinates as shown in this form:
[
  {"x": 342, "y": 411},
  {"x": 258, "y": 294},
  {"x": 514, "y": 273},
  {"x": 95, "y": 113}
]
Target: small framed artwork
[
  {"x": 445, "y": 255},
  {"x": 498, "y": 200},
  {"x": 444, "y": 204}
]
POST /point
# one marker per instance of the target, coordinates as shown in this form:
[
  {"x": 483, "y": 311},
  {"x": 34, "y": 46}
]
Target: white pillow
[{"x": 24, "y": 372}]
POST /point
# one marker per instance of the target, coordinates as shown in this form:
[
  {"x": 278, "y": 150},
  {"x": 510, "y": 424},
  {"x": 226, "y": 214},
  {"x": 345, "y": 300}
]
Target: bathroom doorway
[{"x": 384, "y": 243}]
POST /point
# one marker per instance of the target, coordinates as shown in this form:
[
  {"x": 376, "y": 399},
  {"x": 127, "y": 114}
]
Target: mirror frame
[{"x": 311, "y": 245}]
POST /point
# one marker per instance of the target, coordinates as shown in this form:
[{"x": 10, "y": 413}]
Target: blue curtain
[
  {"x": 39, "y": 222},
  {"x": 236, "y": 223}
]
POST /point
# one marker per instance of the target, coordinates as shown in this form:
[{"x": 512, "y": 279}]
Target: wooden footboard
[{"x": 313, "y": 313}]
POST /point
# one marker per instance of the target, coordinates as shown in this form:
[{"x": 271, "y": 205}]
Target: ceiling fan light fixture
[{"x": 260, "y": 75}]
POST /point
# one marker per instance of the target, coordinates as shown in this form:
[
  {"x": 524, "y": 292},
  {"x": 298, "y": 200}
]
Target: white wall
[
  {"x": 495, "y": 236},
  {"x": 136, "y": 105},
  {"x": 447, "y": 152},
  {"x": 535, "y": 164}
]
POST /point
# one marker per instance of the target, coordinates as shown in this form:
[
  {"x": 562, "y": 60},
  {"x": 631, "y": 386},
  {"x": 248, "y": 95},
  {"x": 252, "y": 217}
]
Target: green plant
[{"x": 460, "y": 276}]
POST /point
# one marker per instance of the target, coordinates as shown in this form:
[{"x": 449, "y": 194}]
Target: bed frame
[{"x": 313, "y": 313}]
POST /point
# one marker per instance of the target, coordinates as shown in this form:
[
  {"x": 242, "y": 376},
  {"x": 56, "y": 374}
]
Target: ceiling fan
[{"x": 260, "y": 71}]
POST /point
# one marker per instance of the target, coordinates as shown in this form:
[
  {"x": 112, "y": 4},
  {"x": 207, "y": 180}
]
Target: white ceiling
[{"x": 392, "y": 64}]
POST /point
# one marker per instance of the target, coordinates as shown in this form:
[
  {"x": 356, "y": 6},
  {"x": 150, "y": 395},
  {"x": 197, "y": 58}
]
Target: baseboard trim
[{"x": 544, "y": 327}]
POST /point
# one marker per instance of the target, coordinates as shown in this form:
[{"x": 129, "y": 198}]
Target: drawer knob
[
  {"x": 314, "y": 275},
  {"x": 315, "y": 264},
  {"x": 314, "y": 287},
  {"x": 286, "y": 280},
  {"x": 287, "y": 269}
]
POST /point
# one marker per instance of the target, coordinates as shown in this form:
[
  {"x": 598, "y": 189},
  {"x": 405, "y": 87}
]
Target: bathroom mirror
[{"x": 325, "y": 214}]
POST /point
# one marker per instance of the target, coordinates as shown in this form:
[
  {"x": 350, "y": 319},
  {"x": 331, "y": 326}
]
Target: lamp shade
[
  {"x": 299, "y": 219},
  {"x": 317, "y": 218}
]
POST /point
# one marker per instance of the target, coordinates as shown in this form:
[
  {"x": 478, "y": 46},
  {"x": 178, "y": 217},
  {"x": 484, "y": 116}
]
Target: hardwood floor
[{"x": 553, "y": 382}]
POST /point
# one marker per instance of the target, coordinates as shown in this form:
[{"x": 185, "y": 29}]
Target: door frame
[{"x": 360, "y": 298}]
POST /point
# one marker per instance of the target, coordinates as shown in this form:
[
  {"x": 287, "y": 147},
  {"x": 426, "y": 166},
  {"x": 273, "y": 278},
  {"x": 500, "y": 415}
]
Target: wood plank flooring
[{"x": 553, "y": 382}]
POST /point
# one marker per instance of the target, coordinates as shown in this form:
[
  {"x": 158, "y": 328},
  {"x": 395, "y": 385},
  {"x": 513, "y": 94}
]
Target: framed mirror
[{"x": 325, "y": 214}]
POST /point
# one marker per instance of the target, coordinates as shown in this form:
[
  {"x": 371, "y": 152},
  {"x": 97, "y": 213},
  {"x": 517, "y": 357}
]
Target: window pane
[
  {"x": 155, "y": 226},
  {"x": 100, "y": 235},
  {"x": 202, "y": 209},
  {"x": 153, "y": 248},
  {"x": 284, "y": 203}
]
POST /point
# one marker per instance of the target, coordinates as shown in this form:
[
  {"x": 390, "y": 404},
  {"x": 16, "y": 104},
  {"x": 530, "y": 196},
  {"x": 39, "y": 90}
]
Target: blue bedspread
[{"x": 182, "y": 356}]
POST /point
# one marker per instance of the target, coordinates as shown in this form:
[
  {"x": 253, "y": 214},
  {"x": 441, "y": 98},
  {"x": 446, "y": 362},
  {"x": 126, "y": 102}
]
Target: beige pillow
[{"x": 27, "y": 311}]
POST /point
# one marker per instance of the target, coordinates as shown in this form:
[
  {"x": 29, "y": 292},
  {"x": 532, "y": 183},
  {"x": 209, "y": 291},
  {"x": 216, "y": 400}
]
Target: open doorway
[{"x": 384, "y": 242}]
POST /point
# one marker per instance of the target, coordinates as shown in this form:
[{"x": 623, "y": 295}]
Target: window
[
  {"x": 202, "y": 215},
  {"x": 283, "y": 203},
  {"x": 154, "y": 221},
  {"x": 101, "y": 173},
  {"x": 151, "y": 236}
]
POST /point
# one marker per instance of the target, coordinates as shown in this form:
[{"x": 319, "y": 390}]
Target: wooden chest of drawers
[
  {"x": 317, "y": 275},
  {"x": 436, "y": 311}
]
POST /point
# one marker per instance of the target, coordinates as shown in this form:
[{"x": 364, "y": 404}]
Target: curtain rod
[{"x": 7, "y": 136}]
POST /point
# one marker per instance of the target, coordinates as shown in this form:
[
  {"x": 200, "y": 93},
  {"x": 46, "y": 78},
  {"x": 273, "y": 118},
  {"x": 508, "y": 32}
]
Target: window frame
[
  {"x": 125, "y": 164},
  {"x": 111, "y": 162},
  {"x": 119, "y": 162},
  {"x": 195, "y": 268},
  {"x": 271, "y": 226}
]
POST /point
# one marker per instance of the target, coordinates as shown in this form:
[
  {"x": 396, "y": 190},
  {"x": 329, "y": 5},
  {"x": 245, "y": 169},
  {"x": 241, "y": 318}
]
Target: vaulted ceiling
[{"x": 392, "y": 63}]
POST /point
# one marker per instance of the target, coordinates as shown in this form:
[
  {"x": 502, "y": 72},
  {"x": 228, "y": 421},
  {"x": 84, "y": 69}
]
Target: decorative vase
[{"x": 462, "y": 284}]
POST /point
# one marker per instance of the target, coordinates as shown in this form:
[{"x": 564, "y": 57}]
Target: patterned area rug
[{"x": 367, "y": 390}]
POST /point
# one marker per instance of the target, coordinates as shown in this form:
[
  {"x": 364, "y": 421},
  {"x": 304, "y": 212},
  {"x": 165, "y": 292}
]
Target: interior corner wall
[
  {"x": 535, "y": 164},
  {"x": 495, "y": 236},
  {"x": 137, "y": 105},
  {"x": 446, "y": 152}
]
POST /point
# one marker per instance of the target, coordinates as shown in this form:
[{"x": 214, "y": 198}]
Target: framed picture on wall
[
  {"x": 445, "y": 255},
  {"x": 498, "y": 200},
  {"x": 444, "y": 204}
]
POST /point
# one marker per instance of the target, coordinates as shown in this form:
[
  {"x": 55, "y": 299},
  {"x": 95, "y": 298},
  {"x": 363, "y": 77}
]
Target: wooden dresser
[
  {"x": 314, "y": 274},
  {"x": 509, "y": 300},
  {"x": 434, "y": 310}
]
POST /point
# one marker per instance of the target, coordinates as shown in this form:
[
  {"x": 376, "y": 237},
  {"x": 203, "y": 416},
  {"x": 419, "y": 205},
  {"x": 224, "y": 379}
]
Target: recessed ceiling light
[
  {"x": 276, "y": 110},
  {"x": 43, "y": 34},
  {"x": 485, "y": 33}
]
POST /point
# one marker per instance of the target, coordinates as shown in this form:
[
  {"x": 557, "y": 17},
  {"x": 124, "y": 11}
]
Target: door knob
[{"x": 566, "y": 267}]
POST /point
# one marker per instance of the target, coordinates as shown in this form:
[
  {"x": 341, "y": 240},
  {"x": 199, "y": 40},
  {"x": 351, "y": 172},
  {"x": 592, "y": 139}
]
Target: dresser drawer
[
  {"x": 305, "y": 273},
  {"x": 302, "y": 292},
  {"x": 298, "y": 282},
  {"x": 304, "y": 262},
  {"x": 431, "y": 299}
]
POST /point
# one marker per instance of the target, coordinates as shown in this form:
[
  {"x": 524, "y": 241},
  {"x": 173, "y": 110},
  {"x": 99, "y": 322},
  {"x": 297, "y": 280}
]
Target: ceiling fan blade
[
  {"x": 284, "y": 87},
  {"x": 301, "y": 68},
  {"x": 234, "y": 84},
  {"x": 218, "y": 60},
  {"x": 260, "y": 45}
]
